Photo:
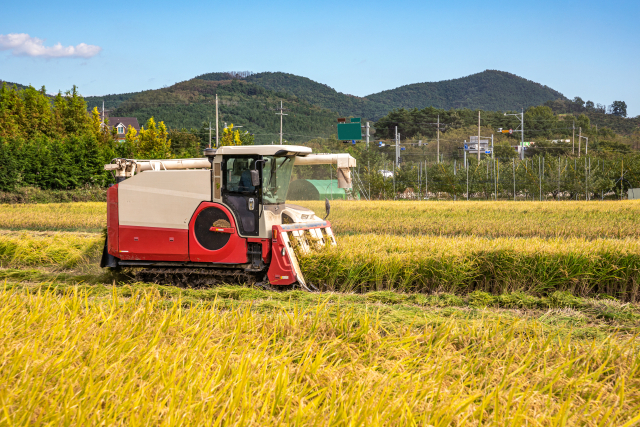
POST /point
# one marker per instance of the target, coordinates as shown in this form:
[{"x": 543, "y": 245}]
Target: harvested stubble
[
  {"x": 464, "y": 264},
  {"x": 75, "y": 360},
  {"x": 591, "y": 220}
]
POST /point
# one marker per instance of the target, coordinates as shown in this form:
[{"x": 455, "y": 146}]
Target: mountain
[
  {"x": 489, "y": 90},
  {"x": 190, "y": 103},
  {"x": 11, "y": 84},
  {"x": 251, "y": 100},
  {"x": 311, "y": 91}
]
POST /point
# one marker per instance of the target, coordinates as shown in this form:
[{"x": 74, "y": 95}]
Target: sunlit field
[
  {"x": 146, "y": 360},
  {"x": 431, "y": 313}
]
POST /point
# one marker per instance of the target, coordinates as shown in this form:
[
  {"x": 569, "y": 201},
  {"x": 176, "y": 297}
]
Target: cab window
[{"x": 238, "y": 175}]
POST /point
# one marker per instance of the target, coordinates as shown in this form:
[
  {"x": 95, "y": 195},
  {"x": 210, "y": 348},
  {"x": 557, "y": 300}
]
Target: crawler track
[
  {"x": 204, "y": 277},
  {"x": 197, "y": 277}
]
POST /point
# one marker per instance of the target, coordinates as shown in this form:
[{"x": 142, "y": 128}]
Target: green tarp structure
[{"x": 315, "y": 189}]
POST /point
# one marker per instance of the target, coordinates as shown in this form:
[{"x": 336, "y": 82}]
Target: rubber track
[{"x": 197, "y": 277}]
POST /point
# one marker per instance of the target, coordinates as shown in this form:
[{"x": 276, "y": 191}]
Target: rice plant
[
  {"x": 86, "y": 216},
  {"x": 592, "y": 220},
  {"x": 73, "y": 360},
  {"x": 464, "y": 264}
]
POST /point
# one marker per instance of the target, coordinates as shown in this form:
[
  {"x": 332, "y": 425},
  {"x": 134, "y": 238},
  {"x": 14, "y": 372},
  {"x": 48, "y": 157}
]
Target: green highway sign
[{"x": 349, "y": 130}]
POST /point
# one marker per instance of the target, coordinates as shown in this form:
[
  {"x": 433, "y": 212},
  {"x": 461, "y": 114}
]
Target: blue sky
[{"x": 580, "y": 48}]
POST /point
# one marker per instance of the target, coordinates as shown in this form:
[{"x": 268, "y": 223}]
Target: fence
[{"x": 537, "y": 178}]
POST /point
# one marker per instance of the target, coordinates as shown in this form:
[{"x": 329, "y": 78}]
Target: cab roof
[{"x": 265, "y": 150}]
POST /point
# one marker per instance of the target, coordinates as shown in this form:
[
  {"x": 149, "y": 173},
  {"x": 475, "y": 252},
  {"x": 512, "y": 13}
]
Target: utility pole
[
  {"x": 438, "y": 137},
  {"x": 281, "y": 113},
  {"x": 397, "y": 148},
  {"x": 217, "y": 124},
  {"x": 522, "y": 133},
  {"x": 209, "y": 133},
  {"x": 367, "y": 134},
  {"x": 478, "y": 136},
  {"x": 579, "y": 140},
  {"x": 573, "y": 139}
]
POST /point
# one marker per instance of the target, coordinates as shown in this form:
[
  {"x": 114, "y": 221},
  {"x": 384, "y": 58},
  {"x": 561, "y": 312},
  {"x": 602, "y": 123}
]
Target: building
[{"x": 121, "y": 124}]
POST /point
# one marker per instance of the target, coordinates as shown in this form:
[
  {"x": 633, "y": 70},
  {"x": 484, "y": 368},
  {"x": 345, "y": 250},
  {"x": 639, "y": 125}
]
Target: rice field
[
  {"x": 86, "y": 216},
  {"x": 75, "y": 359},
  {"x": 428, "y": 317},
  {"x": 589, "y": 220}
]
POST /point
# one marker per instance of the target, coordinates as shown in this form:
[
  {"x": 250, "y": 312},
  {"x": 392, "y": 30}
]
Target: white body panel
[
  {"x": 342, "y": 160},
  {"x": 164, "y": 199}
]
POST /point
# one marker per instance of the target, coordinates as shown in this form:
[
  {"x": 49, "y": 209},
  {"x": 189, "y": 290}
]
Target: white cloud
[{"x": 25, "y": 45}]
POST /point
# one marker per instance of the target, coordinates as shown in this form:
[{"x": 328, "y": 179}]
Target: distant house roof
[{"x": 124, "y": 121}]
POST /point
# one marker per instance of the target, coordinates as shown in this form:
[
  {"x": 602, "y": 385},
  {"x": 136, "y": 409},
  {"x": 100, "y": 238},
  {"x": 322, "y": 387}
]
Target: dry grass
[{"x": 75, "y": 360}]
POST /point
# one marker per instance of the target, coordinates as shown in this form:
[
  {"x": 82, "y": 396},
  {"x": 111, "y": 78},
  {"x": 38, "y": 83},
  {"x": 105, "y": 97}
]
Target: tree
[
  {"x": 75, "y": 119},
  {"x": 539, "y": 123},
  {"x": 619, "y": 108},
  {"x": 230, "y": 137},
  {"x": 152, "y": 142},
  {"x": 184, "y": 144},
  {"x": 11, "y": 113}
]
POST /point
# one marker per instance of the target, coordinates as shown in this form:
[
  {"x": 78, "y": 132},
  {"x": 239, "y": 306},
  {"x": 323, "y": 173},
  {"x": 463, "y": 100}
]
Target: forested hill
[
  {"x": 489, "y": 90},
  {"x": 311, "y": 91},
  {"x": 11, "y": 84},
  {"x": 190, "y": 103}
]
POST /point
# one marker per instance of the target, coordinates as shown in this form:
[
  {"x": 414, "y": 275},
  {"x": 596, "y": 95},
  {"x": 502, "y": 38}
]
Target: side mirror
[
  {"x": 327, "y": 207},
  {"x": 255, "y": 178}
]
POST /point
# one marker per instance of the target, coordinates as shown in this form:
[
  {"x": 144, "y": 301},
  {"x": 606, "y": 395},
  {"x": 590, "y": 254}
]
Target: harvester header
[{"x": 215, "y": 219}]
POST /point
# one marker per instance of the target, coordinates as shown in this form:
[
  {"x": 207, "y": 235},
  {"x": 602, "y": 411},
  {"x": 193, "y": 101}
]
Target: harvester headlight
[
  {"x": 282, "y": 252},
  {"x": 305, "y": 216}
]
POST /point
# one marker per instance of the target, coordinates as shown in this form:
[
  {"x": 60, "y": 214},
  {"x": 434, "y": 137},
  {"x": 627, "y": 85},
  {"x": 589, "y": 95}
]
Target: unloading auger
[{"x": 217, "y": 219}]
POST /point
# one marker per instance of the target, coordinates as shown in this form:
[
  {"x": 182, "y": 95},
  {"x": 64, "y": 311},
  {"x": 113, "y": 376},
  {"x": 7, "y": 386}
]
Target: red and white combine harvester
[{"x": 221, "y": 218}]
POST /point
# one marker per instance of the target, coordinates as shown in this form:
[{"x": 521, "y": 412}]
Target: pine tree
[{"x": 11, "y": 113}]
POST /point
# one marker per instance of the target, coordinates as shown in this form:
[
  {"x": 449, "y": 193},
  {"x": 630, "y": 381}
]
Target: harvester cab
[{"x": 216, "y": 219}]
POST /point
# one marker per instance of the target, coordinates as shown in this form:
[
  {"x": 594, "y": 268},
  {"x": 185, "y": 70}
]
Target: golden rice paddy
[{"x": 476, "y": 314}]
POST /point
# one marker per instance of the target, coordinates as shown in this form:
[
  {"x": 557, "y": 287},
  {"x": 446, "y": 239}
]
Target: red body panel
[
  {"x": 280, "y": 270},
  {"x": 112, "y": 221},
  {"x": 234, "y": 252},
  {"x": 153, "y": 244}
]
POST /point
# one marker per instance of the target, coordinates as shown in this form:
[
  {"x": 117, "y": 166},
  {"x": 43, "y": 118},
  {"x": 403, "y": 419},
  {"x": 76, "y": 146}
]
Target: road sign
[
  {"x": 487, "y": 152},
  {"x": 349, "y": 131},
  {"x": 510, "y": 131}
]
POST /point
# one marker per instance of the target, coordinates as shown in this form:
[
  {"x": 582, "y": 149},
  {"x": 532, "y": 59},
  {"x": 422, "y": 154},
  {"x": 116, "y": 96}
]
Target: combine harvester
[{"x": 222, "y": 218}]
